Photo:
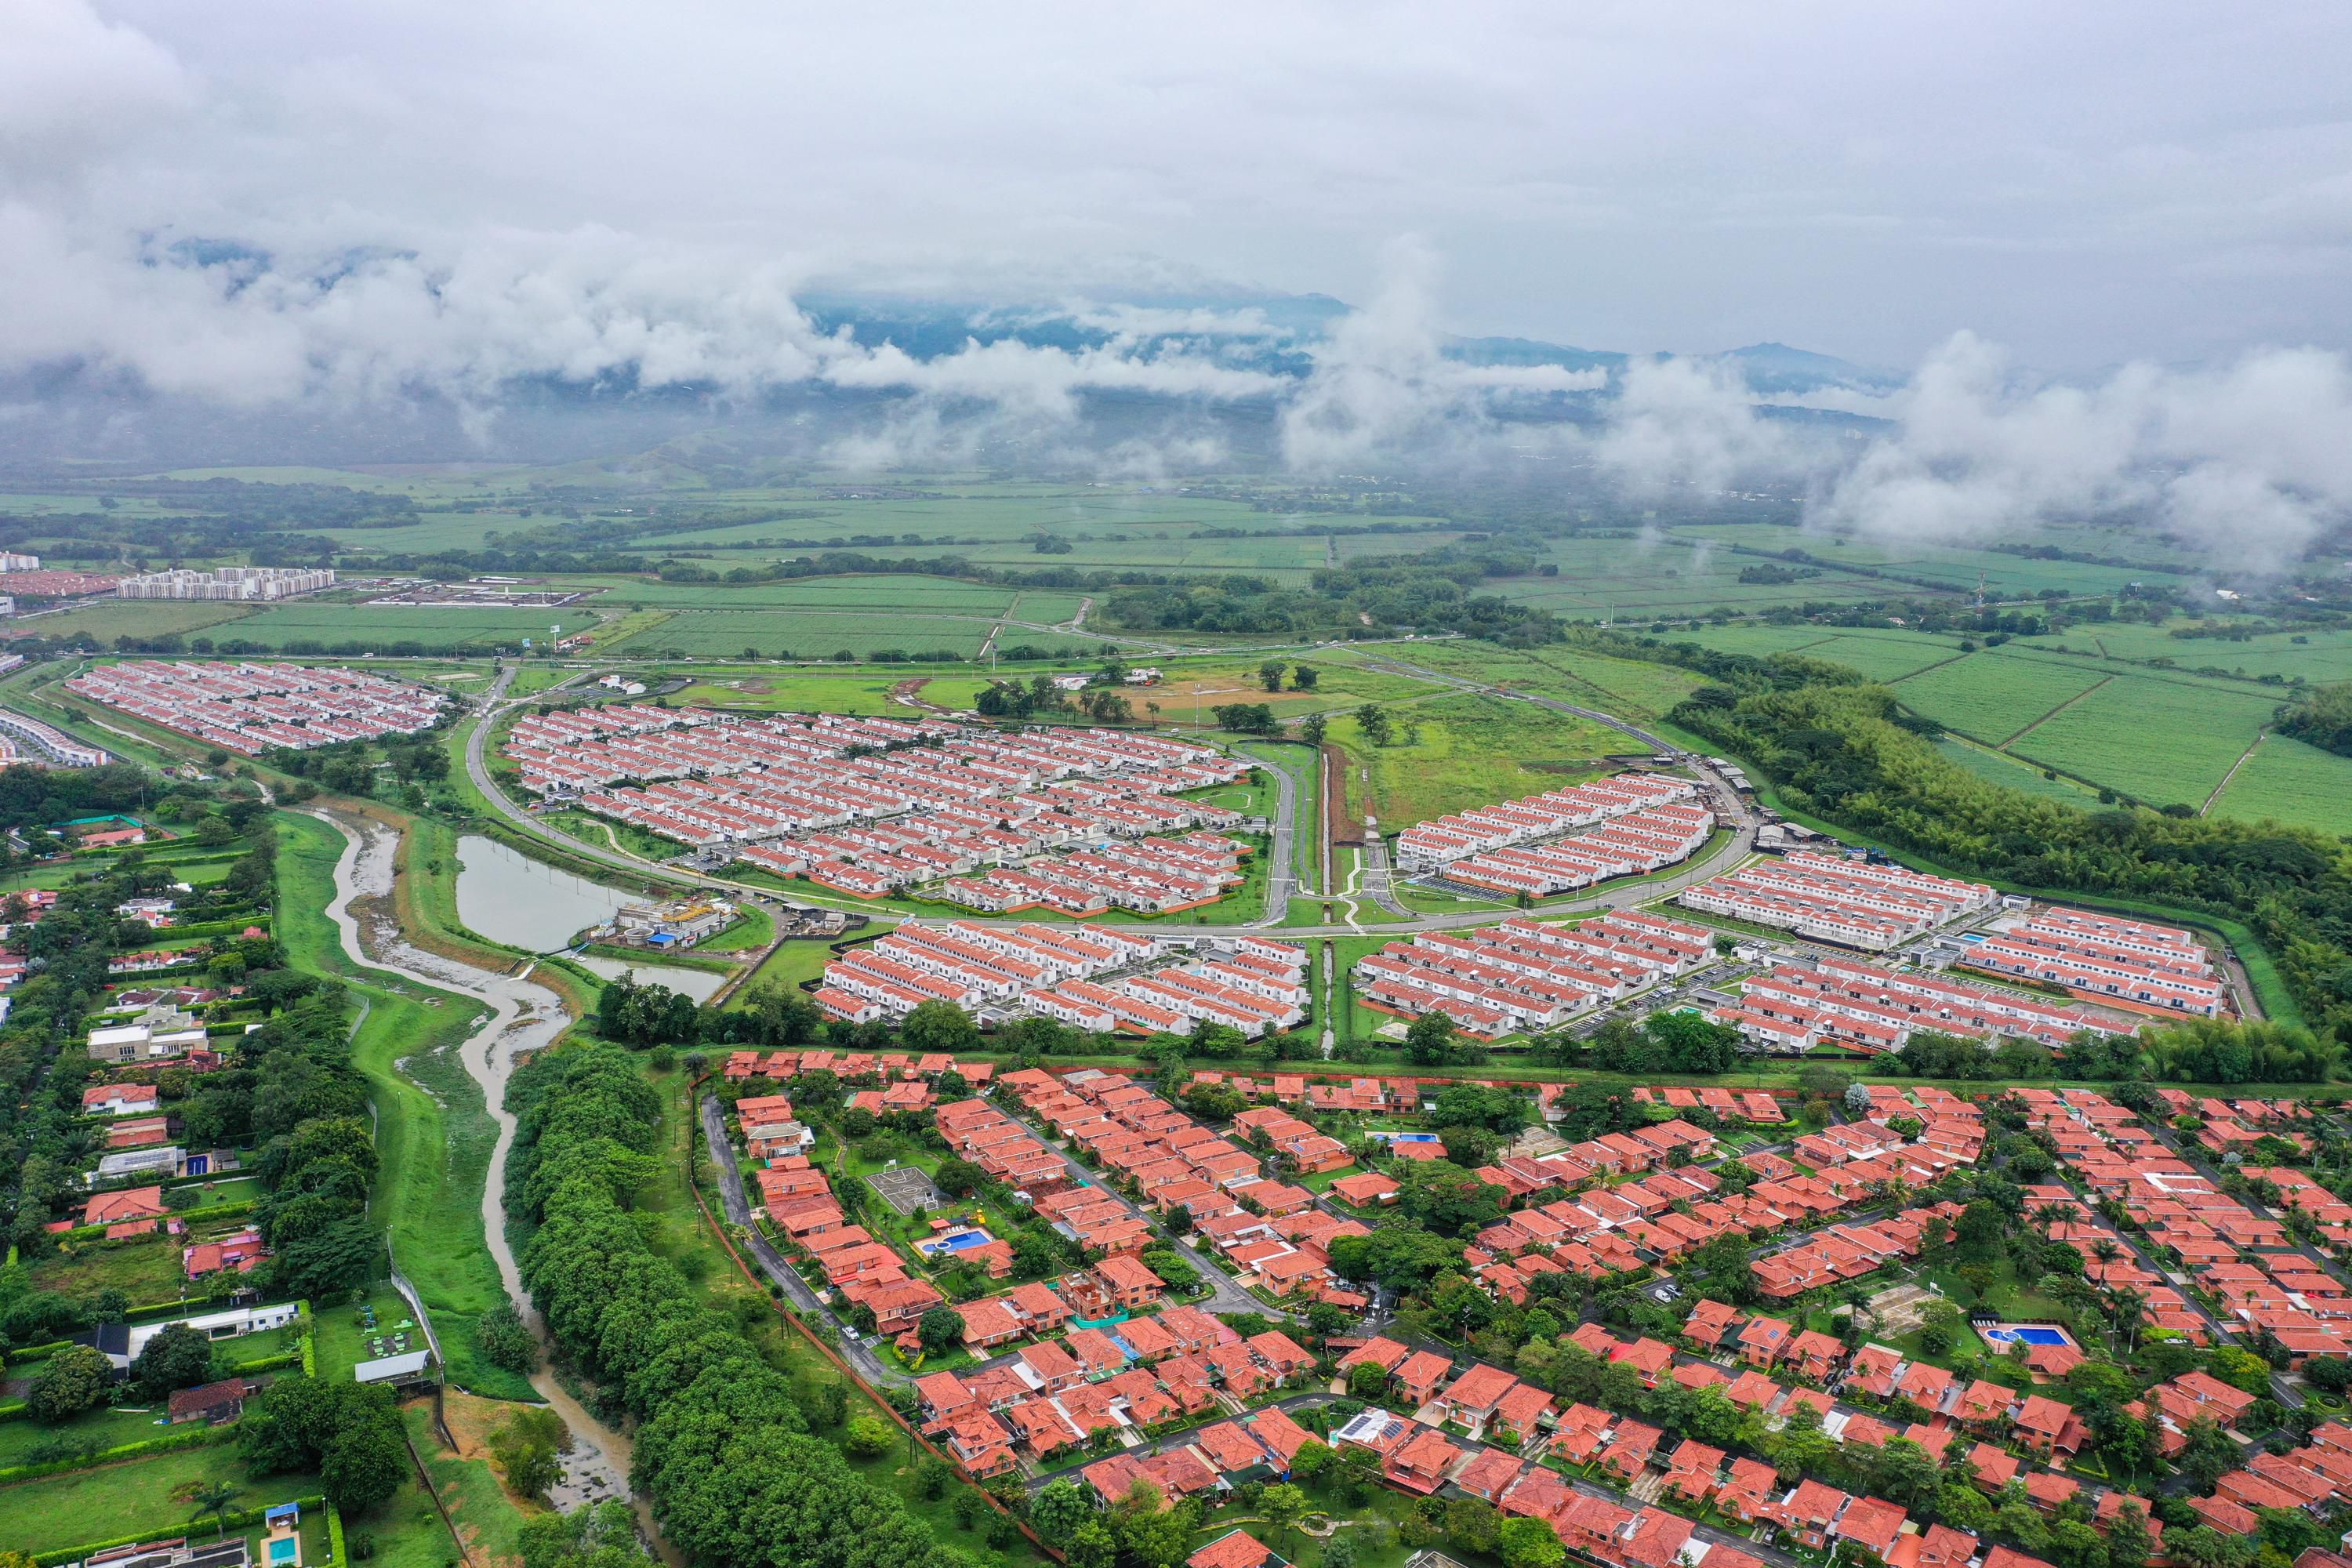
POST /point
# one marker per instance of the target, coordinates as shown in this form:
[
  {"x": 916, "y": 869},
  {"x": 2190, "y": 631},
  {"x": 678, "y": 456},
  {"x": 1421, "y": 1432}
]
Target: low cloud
[
  {"x": 2252, "y": 460},
  {"x": 1382, "y": 383}
]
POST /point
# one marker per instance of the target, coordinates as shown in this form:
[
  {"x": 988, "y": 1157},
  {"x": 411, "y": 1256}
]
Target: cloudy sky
[
  {"x": 2105, "y": 246},
  {"x": 2087, "y": 183}
]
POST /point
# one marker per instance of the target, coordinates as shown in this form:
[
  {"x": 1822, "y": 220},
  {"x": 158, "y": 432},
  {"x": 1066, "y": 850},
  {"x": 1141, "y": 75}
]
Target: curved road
[{"x": 1281, "y": 880}]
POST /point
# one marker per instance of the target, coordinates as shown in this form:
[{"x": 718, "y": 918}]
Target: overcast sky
[{"x": 2085, "y": 183}]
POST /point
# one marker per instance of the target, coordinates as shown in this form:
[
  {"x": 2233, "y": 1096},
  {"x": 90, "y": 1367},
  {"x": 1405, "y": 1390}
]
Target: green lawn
[
  {"x": 338, "y": 1344},
  {"x": 135, "y": 1496},
  {"x": 146, "y": 1268},
  {"x": 97, "y": 1429}
]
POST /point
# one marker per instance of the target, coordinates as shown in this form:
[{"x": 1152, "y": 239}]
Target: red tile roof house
[
  {"x": 1692, "y": 1472},
  {"x": 1380, "y": 1352},
  {"x": 1657, "y": 1540},
  {"x": 1873, "y": 1371},
  {"x": 1650, "y": 1358},
  {"x": 1371, "y": 1189},
  {"x": 1873, "y": 1522},
  {"x": 1055, "y": 1368},
  {"x": 1519, "y": 1412},
  {"x": 1747, "y": 1492},
  {"x": 987, "y": 1324},
  {"x": 982, "y": 1445},
  {"x": 1592, "y": 1526},
  {"x": 1630, "y": 1449},
  {"x": 1710, "y": 1320},
  {"x": 943, "y": 1398},
  {"x": 1995, "y": 1467},
  {"x": 1285, "y": 1358},
  {"x": 1765, "y": 1341},
  {"x": 1471, "y": 1397},
  {"x": 1418, "y": 1379},
  {"x": 1983, "y": 1407},
  {"x": 1808, "y": 1512},
  {"x": 1236, "y": 1549},
  {"x": 1816, "y": 1356},
  {"x": 2045, "y": 1427},
  {"x": 1422, "y": 1463},
  {"x": 1489, "y": 1474},
  {"x": 1129, "y": 1283}
]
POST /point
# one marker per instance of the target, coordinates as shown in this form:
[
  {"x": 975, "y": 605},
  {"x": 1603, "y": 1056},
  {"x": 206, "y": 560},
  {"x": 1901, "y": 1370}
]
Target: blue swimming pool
[
  {"x": 960, "y": 1241},
  {"x": 284, "y": 1549},
  {"x": 1409, "y": 1137},
  {"x": 2026, "y": 1333}
]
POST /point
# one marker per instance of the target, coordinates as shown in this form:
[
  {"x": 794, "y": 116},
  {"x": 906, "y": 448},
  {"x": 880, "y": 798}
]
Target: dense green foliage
[
  {"x": 2323, "y": 716},
  {"x": 349, "y": 1432},
  {"x": 723, "y": 1451},
  {"x": 1842, "y": 752}
]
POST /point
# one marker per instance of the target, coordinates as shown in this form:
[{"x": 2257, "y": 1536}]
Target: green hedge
[
  {"x": 195, "y": 1438},
  {"x": 236, "y": 1518}
]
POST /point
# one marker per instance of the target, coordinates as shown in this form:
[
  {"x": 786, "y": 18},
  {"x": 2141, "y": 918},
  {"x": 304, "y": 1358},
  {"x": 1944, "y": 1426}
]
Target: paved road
[
  {"x": 737, "y": 1206},
  {"x": 1282, "y": 861}
]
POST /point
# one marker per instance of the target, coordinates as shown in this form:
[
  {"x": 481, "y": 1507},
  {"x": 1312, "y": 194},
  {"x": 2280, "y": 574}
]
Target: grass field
[
  {"x": 128, "y": 617},
  {"x": 2003, "y": 769},
  {"x": 801, "y": 634},
  {"x": 433, "y": 1132},
  {"x": 137, "y": 1496},
  {"x": 1629, "y": 689},
  {"x": 2293, "y": 782},
  {"x": 2322, "y": 655},
  {"x": 1671, "y": 575},
  {"x": 1954, "y": 566},
  {"x": 1473, "y": 751},
  {"x": 1992, "y": 697},
  {"x": 2160, "y": 741},
  {"x": 910, "y": 591},
  {"x": 335, "y": 625}
]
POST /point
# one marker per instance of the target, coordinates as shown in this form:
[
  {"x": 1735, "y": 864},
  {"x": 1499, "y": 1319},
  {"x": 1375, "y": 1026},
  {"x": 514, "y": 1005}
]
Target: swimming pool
[
  {"x": 2026, "y": 1334},
  {"x": 957, "y": 1241},
  {"x": 284, "y": 1549},
  {"x": 1408, "y": 1136}
]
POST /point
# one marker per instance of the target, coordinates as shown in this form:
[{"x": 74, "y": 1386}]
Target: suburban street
[{"x": 737, "y": 1207}]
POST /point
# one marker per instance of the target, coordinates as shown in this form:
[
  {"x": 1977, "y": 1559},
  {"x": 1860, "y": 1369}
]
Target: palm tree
[{"x": 212, "y": 1500}]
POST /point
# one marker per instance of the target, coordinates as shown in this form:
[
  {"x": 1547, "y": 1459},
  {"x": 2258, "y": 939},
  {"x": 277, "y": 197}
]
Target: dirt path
[
  {"x": 2004, "y": 745},
  {"x": 522, "y": 1017},
  {"x": 2243, "y": 757}
]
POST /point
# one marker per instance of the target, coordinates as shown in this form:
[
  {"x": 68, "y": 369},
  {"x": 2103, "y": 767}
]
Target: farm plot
[
  {"x": 1990, "y": 697},
  {"x": 1671, "y": 575},
  {"x": 128, "y": 617},
  {"x": 338, "y": 627},
  {"x": 1625, "y": 688},
  {"x": 886, "y": 592},
  {"x": 2291, "y": 783},
  {"x": 2158, "y": 741},
  {"x": 779, "y": 634},
  {"x": 2000, "y": 768},
  {"x": 1292, "y": 557}
]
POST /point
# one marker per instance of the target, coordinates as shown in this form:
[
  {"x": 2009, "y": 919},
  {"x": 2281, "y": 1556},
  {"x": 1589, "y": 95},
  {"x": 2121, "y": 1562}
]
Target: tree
[
  {"x": 178, "y": 1357},
  {"x": 939, "y": 1328},
  {"x": 2241, "y": 1370},
  {"x": 1282, "y": 1505},
  {"x": 1721, "y": 1270},
  {"x": 365, "y": 1464},
  {"x": 1529, "y": 1544},
  {"x": 1339, "y": 1549},
  {"x": 959, "y": 1178},
  {"x": 938, "y": 1026},
  {"x": 1313, "y": 728},
  {"x": 1270, "y": 673},
  {"x": 1315, "y": 1460},
  {"x": 526, "y": 1447},
  {"x": 1376, "y": 725},
  {"x": 210, "y": 1499},
  {"x": 1060, "y": 1508},
  {"x": 868, "y": 1437},
  {"x": 77, "y": 1378},
  {"x": 505, "y": 1341},
  {"x": 1367, "y": 1381},
  {"x": 1432, "y": 1040},
  {"x": 1091, "y": 1546}
]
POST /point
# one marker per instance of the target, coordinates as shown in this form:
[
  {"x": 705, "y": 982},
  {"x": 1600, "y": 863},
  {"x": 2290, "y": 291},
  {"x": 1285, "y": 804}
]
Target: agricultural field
[
  {"x": 799, "y": 634},
  {"x": 1286, "y": 560},
  {"x": 2160, "y": 741},
  {"x": 1669, "y": 575},
  {"x": 2294, "y": 784},
  {"x": 1888, "y": 655},
  {"x": 433, "y": 531},
  {"x": 1194, "y": 690},
  {"x": 2000, "y": 768},
  {"x": 1958, "y": 567},
  {"x": 1626, "y": 688},
  {"x": 1991, "y": 696},
  {"x": 332, "y": 624},
  {"x": 891, "y": 591},
  {"x": 128, "y": 617},
  {"x": 2320, "y": 655}
]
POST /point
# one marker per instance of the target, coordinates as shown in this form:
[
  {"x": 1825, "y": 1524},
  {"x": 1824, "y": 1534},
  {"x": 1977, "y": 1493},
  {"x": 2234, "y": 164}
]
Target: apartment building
[
  {"x": 249, "y": 708},
  {"x": 1829, "y": 898},
  {"x": 1438, "y": 843},
  {"x": 1523, "y": 974},
  {"x": 1867, "y": 1006}
]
